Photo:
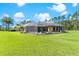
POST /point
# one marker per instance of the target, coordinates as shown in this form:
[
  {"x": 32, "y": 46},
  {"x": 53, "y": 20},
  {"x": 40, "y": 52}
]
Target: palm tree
[
  {"x": 59, "y": 18},
  {"x": 55, "y": 19},
  {"x": 63, "y": 17},
  {"x": 78, "y": 14},
  {"x": 75, "y": 17},
  {"x": 7, "y": 21},
  {"x": 69, "y": 17}
]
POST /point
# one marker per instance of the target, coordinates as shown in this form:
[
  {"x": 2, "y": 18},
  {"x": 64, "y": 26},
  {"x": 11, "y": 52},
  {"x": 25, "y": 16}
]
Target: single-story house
[{"x": 43, "y": 27}]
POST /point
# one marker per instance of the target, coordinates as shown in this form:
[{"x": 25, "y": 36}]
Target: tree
[
  {"x": 63, "y": 17},
  {"x": 7, "y": 21},
  {"x": 58, "y": 18},
  {"x": 51, "y": 19},
  {"x": 69, "y": 17},
  {"x": 0, "y": 27},
  {"x": 55, "y": 19},
  {"x": 23, "y": 22},
  {"x": 75, "y": 16}
]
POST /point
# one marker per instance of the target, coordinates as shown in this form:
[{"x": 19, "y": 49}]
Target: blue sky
[{"x": 36, "y": 11}]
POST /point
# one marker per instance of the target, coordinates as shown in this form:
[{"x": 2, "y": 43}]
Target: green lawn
[{"x": 18, "y": 44}]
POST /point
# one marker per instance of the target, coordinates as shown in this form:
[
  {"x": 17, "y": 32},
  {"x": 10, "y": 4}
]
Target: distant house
[{"x": 42, "y": 27}]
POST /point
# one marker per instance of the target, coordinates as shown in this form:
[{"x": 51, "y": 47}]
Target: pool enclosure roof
[{"x": 42, "y": 24}]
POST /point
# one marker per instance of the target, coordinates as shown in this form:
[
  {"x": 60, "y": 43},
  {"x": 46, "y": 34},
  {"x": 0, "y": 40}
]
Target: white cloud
[
  {"x": 75, "y": 4},
  {"x": 42, "y": 16},
  {"x": 59, "y": 7},
  {"x": 21, "y": 3},
  {"x": 64, "y": 13},
  {"x": 19, "y": 15},
  {"x": 5, "y": 15}
]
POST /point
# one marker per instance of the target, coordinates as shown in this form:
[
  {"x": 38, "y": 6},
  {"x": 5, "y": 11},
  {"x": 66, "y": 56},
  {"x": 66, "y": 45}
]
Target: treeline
[{"x": 70, "y": 22}]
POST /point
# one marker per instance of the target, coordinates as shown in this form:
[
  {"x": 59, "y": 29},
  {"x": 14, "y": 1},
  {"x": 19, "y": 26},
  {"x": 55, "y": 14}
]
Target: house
[{"x": 43, "y": 27}]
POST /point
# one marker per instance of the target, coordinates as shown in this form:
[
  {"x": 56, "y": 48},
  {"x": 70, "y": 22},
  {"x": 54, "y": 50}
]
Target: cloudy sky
[{"x": 36, "y": 11}]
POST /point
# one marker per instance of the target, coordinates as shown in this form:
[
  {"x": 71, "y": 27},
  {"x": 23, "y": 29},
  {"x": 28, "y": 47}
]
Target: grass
[{"x": 18, "y": 44}]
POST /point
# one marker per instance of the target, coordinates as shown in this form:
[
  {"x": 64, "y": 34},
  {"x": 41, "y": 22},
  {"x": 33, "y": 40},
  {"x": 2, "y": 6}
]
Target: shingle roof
[{"x": 42, "y": 24}]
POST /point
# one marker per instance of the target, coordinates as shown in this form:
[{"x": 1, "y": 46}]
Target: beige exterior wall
[{"x": 50, "y": 29}]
